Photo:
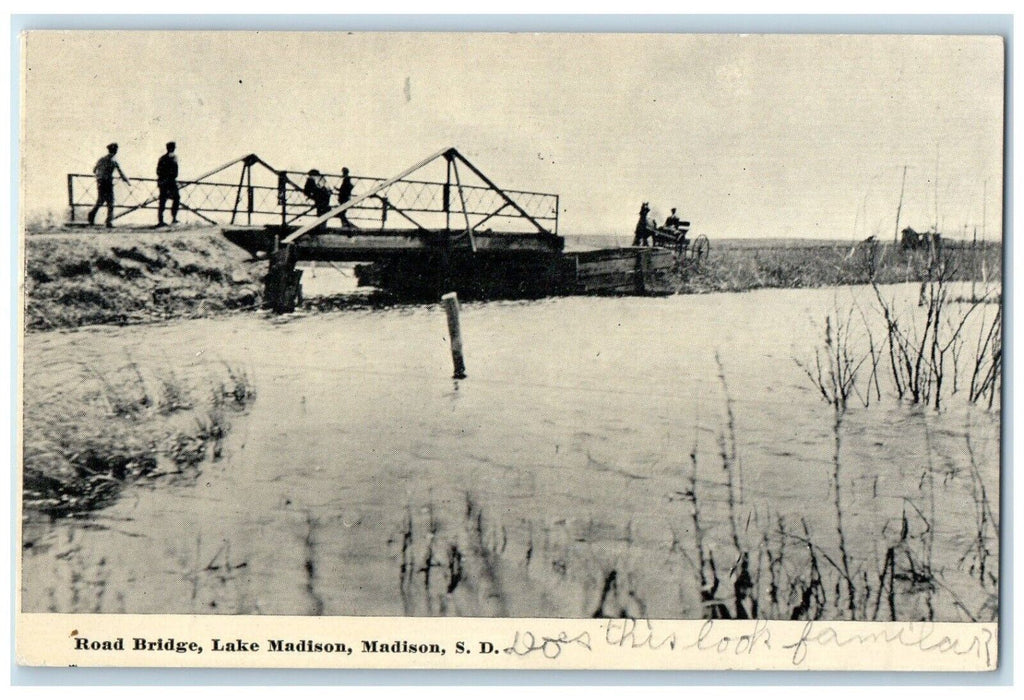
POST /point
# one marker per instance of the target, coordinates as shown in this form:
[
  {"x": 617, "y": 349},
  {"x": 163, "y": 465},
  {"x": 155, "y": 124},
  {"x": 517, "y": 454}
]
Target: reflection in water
[{"x": 570, "y": 444}]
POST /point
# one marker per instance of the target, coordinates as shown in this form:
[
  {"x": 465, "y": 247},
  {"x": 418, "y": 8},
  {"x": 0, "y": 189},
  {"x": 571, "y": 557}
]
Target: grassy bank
[
  {"x": 77, "y": 277},
  {"x": 74, "y": 278},
  {"x": 109, "y": 428},
  {"x": 736, "y": 265}
]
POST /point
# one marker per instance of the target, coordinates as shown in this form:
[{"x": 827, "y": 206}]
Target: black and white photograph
[{"x": 622, "y": 334}]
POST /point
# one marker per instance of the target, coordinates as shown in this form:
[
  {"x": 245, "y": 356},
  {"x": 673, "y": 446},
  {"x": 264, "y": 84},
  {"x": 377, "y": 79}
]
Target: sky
[{"x": 747, "y": 135}]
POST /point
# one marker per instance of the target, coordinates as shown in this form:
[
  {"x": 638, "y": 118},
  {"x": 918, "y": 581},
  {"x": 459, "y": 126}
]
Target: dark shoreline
[{"x": 78, "y": 277}]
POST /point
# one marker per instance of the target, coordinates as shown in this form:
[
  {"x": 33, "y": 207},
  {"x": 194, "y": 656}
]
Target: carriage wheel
[{"x": 699, "y": 249}]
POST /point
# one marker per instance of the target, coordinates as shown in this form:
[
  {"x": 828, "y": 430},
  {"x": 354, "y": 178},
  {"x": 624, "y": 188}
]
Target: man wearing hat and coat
[
  {"x": 104, "y": 172},
  {"x": 316, "y": 188},
  {"x": 167, "y": 181}
]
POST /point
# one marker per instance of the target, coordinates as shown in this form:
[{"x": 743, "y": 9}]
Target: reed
[
  {"x": 741, "y": 265},
  {"x": 979, "y": 558},
  {"x": 919, "y": 347},
  {"x": 746, "y": 559},
  {"x": 817, "y": 579},
  {"x": 836, "y": 366},
  {"x": 925, "y": 348},
  {"x": 128, "y": 425},
  {"x": 986, "y": 373}
]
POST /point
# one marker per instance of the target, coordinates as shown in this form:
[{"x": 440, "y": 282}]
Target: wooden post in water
[{"x": 451, "y": 309}]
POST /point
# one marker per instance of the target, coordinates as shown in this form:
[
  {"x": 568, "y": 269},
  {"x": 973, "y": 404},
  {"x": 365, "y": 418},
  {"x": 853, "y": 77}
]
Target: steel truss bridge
[{"x": 248, "y": 191}]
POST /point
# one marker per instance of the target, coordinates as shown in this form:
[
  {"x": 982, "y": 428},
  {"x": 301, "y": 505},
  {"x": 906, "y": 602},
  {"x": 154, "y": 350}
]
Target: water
[{"x": 572, "y": 434}]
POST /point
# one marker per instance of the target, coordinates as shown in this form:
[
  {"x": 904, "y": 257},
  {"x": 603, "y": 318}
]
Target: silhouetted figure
[
  {"x": 316, "y": 188},
  {"x": 167, "y": 181},
  {"x": 672, "y": 221},
  {"x": 642, "y": 231},
  {"x": 345, "y": 194},
  {"x": 104, "y": 172}
]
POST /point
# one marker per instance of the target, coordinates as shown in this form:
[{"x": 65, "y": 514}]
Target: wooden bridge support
[{"x": 283, "y": 287}]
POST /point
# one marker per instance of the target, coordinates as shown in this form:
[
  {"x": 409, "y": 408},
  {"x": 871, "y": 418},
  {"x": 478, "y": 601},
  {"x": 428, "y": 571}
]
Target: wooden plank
[
  {"x": 607, "y": 266},
  {"x": 620, "y": 271},
  {"x": 657, "y": 255},
  {"x": 343, "y": 242},
  {"x": 624, "y": 289},
  {"x": 517, "y": 241},
  {"x": 608, "y": 277},
  {"x": 606, "y": 254}
]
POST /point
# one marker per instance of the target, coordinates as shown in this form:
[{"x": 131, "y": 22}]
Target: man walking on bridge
[
  {"x": 345, "y": 194},
  {"x": 104, "y": 172},
  {"x": 167, "y": 181}
]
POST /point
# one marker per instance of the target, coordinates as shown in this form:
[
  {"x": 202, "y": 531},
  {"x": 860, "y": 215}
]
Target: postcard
[{"x": 510, "y": 351}]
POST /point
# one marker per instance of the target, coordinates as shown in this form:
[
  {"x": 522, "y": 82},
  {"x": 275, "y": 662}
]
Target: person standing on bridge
[
  {"x": 345, "y": 194},
  {"x": 167, "y": 182},
  {"x": 104, "y": 172},
  {"x": 316, "y": 188}
]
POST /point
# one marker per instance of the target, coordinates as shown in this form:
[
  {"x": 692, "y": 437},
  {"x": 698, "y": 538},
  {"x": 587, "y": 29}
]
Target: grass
[
  {"x": 735, "y": 267},
  {"x": 83, "y": 447},
  {"x": 76, "y": 279},
  {"x": 132, "y": 276}
]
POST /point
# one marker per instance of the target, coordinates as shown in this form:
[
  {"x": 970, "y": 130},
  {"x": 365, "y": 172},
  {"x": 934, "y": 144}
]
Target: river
[{"x": 570, "y": 438}]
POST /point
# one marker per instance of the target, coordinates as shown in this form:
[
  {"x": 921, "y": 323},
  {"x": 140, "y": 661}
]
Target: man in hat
[
  {"x": 316, "y": 188},
  {"x": 104, "y": 172},
  {"x": 167, "y": 181},
  {"x": 345, "y": 194}
]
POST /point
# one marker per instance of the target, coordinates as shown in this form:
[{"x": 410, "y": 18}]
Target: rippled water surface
[{"x": 572, "y": 436}]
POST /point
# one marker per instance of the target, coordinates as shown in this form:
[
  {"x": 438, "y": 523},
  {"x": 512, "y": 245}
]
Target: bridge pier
[{"x": 283, "y": 286}]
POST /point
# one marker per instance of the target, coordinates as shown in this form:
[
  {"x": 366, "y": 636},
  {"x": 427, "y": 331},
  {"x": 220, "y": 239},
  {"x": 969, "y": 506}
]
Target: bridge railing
[{"x": 404, "y": 204}]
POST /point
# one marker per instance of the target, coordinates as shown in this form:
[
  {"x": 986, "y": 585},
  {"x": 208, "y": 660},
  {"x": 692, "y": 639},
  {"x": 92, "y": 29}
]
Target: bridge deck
[{"x": 355, "y": 245}]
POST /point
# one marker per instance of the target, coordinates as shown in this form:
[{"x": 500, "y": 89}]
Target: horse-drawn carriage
[{"x": 674, "y": 236}]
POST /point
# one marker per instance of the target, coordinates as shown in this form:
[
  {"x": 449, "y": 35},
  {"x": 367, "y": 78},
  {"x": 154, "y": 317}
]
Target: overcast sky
[{"x": 761, "y": 135}]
